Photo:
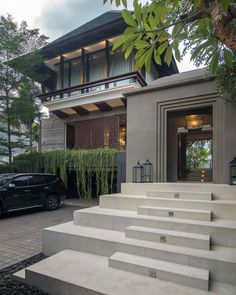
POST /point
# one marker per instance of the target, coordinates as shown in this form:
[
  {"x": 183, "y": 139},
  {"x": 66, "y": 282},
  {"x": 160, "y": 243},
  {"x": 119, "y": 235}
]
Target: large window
[
  {"x": 96, "y": 66},
  {"x": 94, "y": 70}
]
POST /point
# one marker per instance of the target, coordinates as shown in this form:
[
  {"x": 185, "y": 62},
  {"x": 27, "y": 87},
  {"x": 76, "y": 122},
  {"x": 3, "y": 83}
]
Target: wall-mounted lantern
[
  {"x": 147, "y": 171},
  {"x": 138, "y": 173},
  {"x": 233, "y": 171},
  {"x": 194, "y": 121}
]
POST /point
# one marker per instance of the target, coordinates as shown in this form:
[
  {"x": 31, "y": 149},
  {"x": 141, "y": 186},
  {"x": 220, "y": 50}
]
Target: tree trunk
[{"x": 224, "y": 23}]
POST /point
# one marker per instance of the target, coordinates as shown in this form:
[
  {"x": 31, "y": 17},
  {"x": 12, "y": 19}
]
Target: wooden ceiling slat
[
  {"x": 60, "y": 114},
  {"x": 80, "y": 111},
  {"x": 103, "y": 107}
]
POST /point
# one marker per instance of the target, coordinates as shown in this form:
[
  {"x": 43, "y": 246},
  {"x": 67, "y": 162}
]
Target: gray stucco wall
[{"x": 147, "y": 122}]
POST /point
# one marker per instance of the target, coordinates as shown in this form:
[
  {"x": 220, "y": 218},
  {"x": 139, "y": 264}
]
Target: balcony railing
[{"x": 91, "y": 87}]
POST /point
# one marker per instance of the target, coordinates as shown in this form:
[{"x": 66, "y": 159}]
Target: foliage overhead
[
  {"x": 160, "y": 28},
  {"x": 98, "y": 163}
]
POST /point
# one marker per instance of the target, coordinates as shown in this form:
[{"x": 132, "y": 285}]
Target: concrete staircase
[{"x": 153, "y": 238}]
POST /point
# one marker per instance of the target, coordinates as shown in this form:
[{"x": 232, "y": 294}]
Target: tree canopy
[
  {"x": 16, "y": 40},
  {"x": 206, "y": 28}
]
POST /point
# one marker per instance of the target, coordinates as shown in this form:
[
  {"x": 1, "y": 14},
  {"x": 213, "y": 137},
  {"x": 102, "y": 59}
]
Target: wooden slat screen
[{"x": 90, "y": 134}]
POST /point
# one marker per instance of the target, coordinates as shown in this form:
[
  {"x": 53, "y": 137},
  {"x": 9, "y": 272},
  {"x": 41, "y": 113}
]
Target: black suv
[{"x": 28, "y": 190}]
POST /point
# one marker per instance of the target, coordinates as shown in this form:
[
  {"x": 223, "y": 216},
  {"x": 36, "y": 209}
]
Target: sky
[{"x": 54, "y": 18}]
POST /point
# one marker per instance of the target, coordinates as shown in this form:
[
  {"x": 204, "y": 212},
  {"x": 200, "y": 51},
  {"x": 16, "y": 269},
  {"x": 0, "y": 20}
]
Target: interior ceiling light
[{"x": 194, "y": 121}]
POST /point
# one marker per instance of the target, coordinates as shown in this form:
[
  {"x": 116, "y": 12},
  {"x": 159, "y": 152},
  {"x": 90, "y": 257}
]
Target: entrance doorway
[
  {"x": 189, "y": 145},
  {"x": 195, "y": 156}
]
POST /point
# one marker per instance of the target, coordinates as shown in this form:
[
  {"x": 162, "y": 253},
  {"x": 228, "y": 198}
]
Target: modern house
[
  {"x": 97, "y": 98},
  {"x": 174, "y": 236},
  {"x": 85, "y": 84}
]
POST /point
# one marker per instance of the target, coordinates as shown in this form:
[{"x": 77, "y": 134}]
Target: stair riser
[
  {"x": 220, "y": 191},
  {"x": 162, "y": 275},
  {"x": 219, "y": 236},
  {"x": 172, "y": 240},
  {"x": 223, "y": 211},
  {"x": 180, "y": 195},
  {"x": 54, "y": 242},
  {"x": 54, "y": 286},
  {"x": 177, "y": 214}
]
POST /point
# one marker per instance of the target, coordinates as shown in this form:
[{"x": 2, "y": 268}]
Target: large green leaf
[
  {"x": 168, "y": 55},
  {"x": 129, "y": 50},
  {"x": 121, "y": 40},
  {"x": 128, "y": 18},
  {"x": 137, "y": 11},
  {"x": 157, "y": 57},
  {"x": 162, "y": 47},
  {"x": 139, "y": 44},
  {"x": 228, "y": 57},
  {"x": 214, "y": 62},
  {"x": 124, "y": 2}
]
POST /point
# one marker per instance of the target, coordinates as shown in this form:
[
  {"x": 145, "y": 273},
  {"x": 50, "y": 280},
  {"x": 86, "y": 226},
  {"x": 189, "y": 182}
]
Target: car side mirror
[{"x": 11, "y": 185}]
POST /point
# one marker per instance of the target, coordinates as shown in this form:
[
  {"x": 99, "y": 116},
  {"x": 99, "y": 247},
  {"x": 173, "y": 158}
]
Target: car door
[
  {"x": 38, "y": 187},
  {"x": 18, "y": 193}
]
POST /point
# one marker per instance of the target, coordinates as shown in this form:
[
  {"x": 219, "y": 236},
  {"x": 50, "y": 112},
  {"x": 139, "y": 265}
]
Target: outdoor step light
[
  {"x": 233, "y": 171},
  {"x": 138, "y": 173},
  {"x": 147, "y": 171},
  {"x": 143, "y": 173}
]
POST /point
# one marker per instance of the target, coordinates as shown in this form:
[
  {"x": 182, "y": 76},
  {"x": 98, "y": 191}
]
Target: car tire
[{"x": 51, "y": 203}]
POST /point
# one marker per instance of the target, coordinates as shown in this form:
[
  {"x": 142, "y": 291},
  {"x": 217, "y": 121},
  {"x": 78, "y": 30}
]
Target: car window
[
  {"x": 51, "y": 178},
  {"x": 5, "y": 180},
  {"x": 37, "y": 180},
  {"x": 21, "y": 181}
]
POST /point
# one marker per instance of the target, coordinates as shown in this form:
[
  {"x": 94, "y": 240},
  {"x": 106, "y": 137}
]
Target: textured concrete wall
[
  {"x": 147, "y": 122},
  {"x": 52, "y": 134}
]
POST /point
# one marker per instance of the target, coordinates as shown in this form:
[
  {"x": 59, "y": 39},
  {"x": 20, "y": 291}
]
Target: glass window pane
[
  {"x": 66, "y": 75},
  {"x": 75, "y": 72},
  {"x": 21, "y": 181},
  {"x": 37, "y": 180},
  {"x": 57, "y": 70},
  {"x": 96, "y": 65}
]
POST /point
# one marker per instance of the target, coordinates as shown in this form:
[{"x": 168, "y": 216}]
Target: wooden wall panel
[{"x": 97, "y": 133}]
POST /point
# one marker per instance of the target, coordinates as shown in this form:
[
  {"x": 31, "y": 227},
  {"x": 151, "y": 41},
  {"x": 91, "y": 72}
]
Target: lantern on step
[
  {"x": 138, "y": 173},
  {"x": 233, "y": 172},
  {"x": 147, "y": 171}
]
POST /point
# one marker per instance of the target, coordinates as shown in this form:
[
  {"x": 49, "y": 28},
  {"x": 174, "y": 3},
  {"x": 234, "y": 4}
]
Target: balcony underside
[{"x": 103, "y": 95}]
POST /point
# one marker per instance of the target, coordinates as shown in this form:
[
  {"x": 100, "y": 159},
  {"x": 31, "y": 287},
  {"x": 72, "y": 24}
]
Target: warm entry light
[{"x": 194, "y": 121}]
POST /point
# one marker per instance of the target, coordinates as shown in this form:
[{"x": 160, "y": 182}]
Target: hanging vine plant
[{"x": 96, "y": 164}]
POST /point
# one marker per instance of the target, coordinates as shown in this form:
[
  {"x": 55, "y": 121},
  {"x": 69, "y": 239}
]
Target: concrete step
[
  {"x": 203, "y": 215},
  {"x": 178, "y": 273},
  {"x": 219, "y": 191},
  {"x": 222, "y": 209},
  {"x": 221, "y": 261},
  {"x": 169, "y": 237},
  {"x": 180, "y": 195},
  {"x": 72, "y": 273},
  {"x": 222, "y": 232}
]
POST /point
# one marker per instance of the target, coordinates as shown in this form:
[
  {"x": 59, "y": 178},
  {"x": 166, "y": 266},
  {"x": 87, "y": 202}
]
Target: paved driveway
[{"x": 20, "y": 233}]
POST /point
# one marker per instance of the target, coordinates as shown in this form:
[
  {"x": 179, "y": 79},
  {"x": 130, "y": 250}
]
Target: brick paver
[{"x": 20, "y": 233}]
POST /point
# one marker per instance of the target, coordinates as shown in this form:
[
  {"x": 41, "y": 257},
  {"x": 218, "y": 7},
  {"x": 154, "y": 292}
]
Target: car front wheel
[{"x": 51, "y": 203}]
